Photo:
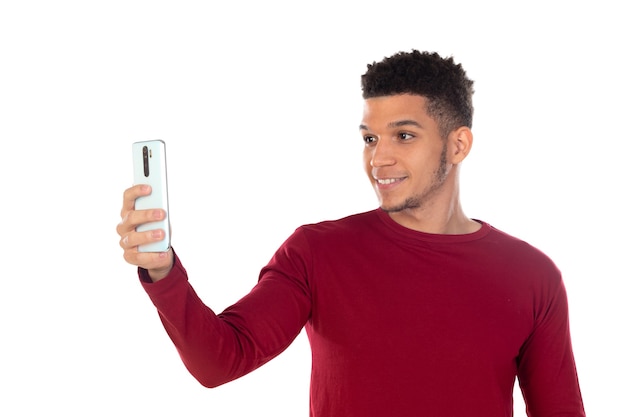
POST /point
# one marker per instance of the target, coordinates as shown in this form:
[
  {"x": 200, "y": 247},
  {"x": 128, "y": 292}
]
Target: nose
[{"x": 382, "y": 154}]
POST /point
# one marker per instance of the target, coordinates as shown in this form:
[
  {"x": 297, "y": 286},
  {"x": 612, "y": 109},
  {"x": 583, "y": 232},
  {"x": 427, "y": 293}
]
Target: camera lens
[{"x": 146, "y": 164}]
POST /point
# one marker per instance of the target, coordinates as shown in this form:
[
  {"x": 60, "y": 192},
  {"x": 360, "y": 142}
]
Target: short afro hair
[{"x": 443, "y": 83}]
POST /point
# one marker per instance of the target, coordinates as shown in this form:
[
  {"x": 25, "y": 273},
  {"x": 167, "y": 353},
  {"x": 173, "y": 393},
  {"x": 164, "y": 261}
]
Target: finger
[
  {"x": 130, "y": 241},
  {"x": 131, "y": 194},
  {"x": 149, "y": 260},
  {"x": 134, "y": 218}
]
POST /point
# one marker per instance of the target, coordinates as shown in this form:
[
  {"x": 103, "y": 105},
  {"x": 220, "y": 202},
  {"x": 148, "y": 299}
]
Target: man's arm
[
  {"x": 547, "y": 371},
  {"x": 217, "y": 348}
]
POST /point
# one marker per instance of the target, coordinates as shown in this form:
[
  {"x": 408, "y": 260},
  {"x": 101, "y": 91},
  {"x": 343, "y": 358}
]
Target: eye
[
  {"x": 405, "y": 136},
  {"x": 369, "y": 139}
]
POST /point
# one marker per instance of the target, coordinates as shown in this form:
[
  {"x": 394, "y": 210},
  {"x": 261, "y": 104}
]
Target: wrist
[{"x": 158, "y": 273}]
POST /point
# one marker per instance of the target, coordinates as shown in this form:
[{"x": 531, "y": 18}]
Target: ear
[{"x": 459, "y": 144}]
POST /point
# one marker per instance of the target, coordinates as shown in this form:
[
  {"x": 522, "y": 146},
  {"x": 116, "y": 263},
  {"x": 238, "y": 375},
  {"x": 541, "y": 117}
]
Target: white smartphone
[{"x": 150, "y": 167}]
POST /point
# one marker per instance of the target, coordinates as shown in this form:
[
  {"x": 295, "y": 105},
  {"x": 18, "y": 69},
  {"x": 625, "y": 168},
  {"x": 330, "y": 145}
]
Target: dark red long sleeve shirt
[{"x": 401, "y": 323}]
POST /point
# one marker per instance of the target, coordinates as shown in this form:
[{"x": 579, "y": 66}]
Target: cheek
[{"x": 367, "y": 158}]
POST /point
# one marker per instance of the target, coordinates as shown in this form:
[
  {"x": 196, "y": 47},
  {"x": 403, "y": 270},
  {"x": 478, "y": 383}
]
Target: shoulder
[
  {"x": 352, "y": 223},
  {"x": 330, "y": 233},
  {"x": 512, "y": 243},
  {"x": 522, "y": 256},
  {"x": 323, "y": 240}
]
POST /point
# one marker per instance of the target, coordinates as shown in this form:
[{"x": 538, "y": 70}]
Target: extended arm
[{"x": 219, "y": 348}]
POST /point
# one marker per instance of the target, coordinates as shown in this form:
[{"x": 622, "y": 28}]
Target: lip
[{"x": 388, "y": 183}]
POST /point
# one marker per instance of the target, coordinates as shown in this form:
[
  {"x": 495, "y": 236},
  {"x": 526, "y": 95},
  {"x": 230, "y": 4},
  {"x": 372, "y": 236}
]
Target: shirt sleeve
[
  {"x": 547, "y": 371},
  {"x": 218, "y": 348}
]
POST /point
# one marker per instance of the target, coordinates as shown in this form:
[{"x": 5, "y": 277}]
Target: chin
[
  {"x": 411, "y": 203},
  {"x": 391, "y": 209}
]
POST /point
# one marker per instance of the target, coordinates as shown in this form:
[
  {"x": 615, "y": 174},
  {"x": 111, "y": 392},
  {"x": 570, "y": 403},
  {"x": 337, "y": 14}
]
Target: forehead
[{"x": 387, "y": 109}]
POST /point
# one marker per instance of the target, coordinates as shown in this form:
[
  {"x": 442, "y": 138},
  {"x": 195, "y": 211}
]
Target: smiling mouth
[{"x": 387, "y": 181}]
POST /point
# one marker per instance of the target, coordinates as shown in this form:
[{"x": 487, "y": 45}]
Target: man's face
[{"x": 404, "y": 155}]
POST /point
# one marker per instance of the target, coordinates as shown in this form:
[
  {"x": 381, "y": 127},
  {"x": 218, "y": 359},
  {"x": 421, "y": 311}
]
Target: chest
[{"x": 420, "y": 303}]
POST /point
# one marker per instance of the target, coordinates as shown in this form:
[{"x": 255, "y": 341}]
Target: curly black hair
[{"x": 443, "y": 83}]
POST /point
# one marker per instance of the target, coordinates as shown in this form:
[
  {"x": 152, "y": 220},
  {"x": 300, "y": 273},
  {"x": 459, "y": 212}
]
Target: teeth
[{"x": 387, "y": 181}]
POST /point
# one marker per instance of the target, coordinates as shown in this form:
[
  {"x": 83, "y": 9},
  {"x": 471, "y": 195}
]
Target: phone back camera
[{"x": 146, "y": 162}]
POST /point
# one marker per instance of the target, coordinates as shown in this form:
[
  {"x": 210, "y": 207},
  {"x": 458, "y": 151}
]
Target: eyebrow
[
  {"x": 399, "y": 123},
  {"x": 407, "y": 122}
]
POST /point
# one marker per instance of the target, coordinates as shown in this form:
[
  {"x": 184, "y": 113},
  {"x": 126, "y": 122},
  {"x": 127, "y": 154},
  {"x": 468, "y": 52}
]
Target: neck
[
  {"x": 441, "y": 215},
  {"x": 455, "y": 222}
]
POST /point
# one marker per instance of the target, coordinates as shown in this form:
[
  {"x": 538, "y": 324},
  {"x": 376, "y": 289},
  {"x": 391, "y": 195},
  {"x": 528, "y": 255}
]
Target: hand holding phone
[{"x": 150, "y": 167}]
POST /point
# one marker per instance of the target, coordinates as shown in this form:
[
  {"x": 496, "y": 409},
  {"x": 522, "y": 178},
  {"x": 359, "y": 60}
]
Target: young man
[{"x": 412, "y": 309}]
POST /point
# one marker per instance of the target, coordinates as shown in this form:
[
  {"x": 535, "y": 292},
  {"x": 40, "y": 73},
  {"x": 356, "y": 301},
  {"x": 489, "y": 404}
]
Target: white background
[{"x": 259, "y": 103}]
